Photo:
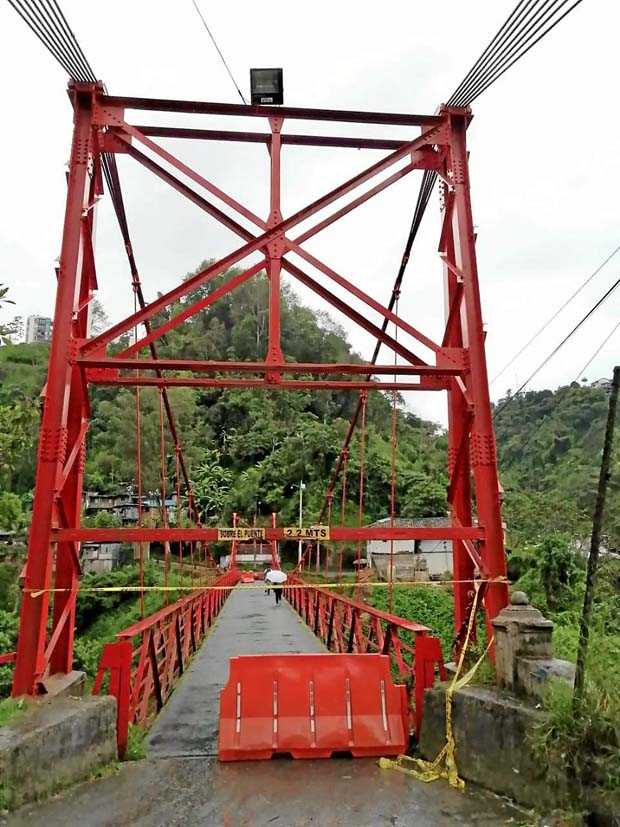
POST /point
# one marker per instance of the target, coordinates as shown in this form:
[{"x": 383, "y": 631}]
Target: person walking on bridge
[{"x": 275, "y": 578}]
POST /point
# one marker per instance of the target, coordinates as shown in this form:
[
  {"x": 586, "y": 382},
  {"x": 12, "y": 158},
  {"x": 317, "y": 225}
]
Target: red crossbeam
[
  {"x": 337, "y": 534},
  {"x": 197, "y": 366}
]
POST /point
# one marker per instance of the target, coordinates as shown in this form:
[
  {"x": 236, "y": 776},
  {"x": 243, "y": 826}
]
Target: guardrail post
[
  {"x": 427, "y": 654},
  {"x": 330, "y": 626},
  {"x": 116, "y": 659}
]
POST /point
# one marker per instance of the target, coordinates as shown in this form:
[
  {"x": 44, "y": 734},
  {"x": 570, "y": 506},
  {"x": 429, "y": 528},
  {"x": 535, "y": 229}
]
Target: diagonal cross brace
[
  {"x": 255, "y": 244},
  {"x": 240, "y": 230},
  {"x": 294, "y": 244}
]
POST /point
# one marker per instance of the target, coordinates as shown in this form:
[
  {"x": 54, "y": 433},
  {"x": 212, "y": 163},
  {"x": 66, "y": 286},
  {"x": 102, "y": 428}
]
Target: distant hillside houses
[
  {"x": 603, "y": 384},
  {"x": 124, "y": 505}
]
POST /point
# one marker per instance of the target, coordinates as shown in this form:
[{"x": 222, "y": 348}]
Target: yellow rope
[{"x": 444, "y": 765}]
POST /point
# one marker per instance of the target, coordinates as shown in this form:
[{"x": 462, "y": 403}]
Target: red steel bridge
[{"x": 151, "y": 655}]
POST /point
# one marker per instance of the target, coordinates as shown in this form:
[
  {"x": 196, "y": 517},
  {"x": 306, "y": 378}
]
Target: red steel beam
[
  {"x": 293, "y": 112},
  {"x": 245, "y": 234},
  {"x": 261, "y": 367},
  {"x": 275, "y": 216},
  {"x": 262, "y": 384},
  {"x": 337, "y": 534},
  {"x": 265, "y": 137},
  {"x": 251, "y": 246},
  {"x": 191, "y": 310}
]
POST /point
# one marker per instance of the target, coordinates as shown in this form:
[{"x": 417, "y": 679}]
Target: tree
[
  {"x": 211, "y": 484},
  {"x": 6, "y": 330},
  {"x": 98, "y": 318},
  {"x": 17, "y": 434},
  {"x": 12, "y": 517}
]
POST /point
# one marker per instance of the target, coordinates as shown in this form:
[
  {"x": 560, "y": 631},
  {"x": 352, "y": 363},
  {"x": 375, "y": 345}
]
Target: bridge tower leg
[
  {"x": 472, "y": 440},
  {"x": 275, "y": 249},
  {"x": 58, "y": 487}
]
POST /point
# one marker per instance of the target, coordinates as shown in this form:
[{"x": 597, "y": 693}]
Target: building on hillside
[
  {"x": 96, "y": 558},
  {"x": 603, "y": 384},
  {"x": 38, "y": 329},
  {"x": 413, "y": 559},
  {"x": 124, "y": 505}
]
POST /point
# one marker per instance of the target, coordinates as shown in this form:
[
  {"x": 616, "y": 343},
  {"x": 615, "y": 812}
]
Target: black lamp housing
[{"x": 266, "y": 86}]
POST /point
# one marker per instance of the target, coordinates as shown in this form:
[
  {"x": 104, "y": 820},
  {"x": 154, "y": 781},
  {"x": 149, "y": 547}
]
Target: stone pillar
[{"x": 521, "y": 632}]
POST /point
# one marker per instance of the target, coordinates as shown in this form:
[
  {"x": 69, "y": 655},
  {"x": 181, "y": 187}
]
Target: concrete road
[
  {"x": 249, "y": 624},
  {"x": 182, "y": 783}
]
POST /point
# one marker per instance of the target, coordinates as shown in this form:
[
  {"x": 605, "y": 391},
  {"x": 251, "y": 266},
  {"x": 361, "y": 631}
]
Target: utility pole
[{"x": 586, "y": 615}]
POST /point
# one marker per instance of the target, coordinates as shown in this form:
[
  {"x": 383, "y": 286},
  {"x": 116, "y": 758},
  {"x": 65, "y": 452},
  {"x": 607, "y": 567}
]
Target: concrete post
[{"x": 521, "y": 632}]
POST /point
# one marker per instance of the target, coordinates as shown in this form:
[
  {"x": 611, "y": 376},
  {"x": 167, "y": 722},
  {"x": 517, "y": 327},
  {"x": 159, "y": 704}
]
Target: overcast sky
[{"x": 544, "y": 143}]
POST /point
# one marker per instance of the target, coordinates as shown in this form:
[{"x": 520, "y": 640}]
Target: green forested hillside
[
  {"x": 244, "y": 447},
  {"x": 250, "y": 447},
  {"x": 549, "y": 447}
]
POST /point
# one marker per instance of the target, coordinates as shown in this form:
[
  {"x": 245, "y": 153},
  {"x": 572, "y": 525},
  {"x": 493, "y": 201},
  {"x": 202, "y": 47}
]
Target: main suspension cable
[
  {"x": 506, "y": 50},
  {"x": 50, "y": 26}
]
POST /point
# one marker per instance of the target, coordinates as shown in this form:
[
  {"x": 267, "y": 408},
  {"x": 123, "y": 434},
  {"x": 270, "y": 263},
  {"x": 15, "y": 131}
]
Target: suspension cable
[
  {"x": 139, "y": 475},
  {"x": 393, "y": 478},
  {"x": 162, "y": 470},
  {"x": 362, "y": 480},
  {"x": 516, "y": 36},
  {"x": 56, "y": 35},
  {"x": 482, "y": 88}
]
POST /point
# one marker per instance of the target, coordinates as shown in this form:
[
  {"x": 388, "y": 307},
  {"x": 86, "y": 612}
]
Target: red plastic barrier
[{"x": 311, "y": 706}]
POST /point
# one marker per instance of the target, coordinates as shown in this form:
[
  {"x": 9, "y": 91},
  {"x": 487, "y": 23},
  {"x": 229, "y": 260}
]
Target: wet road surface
[{"x": 182, "y": 783}]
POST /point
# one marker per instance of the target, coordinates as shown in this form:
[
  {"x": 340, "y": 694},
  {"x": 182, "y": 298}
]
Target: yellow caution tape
[
  {"x": 444, "y": 765},
  {"x": 261, "y": 585}
]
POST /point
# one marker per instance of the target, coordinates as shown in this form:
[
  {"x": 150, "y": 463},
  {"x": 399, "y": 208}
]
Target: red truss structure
[{"x": 101, "y": 130}]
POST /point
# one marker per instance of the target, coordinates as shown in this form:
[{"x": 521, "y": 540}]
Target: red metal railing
[
  {"x": 346, "y": 625},
  {"x": 8, "y": 657},
  {"x": 147, "y": 659}
]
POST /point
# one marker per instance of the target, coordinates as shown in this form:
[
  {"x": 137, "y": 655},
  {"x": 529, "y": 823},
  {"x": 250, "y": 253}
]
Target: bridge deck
[
  {"x": 182, "y": 782},
  {"x": 249, "y": 624}
]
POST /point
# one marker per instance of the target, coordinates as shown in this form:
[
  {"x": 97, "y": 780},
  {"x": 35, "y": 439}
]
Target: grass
[
  {"x": 11, "y": 709},
  {"x": 136, "y": 747}
]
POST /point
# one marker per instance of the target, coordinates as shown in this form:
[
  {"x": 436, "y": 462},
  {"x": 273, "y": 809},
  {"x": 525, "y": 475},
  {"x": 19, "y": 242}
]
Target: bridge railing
[
  {"x": 346, "y": 625},
  {"x": 147, "y": 658}
]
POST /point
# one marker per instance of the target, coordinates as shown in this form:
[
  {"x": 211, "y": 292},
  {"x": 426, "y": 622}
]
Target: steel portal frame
[{"x": 75, "y": 361}]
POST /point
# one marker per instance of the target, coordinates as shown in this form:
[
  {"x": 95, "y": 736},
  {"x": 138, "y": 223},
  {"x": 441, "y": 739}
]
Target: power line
[
  {"x": 556, "y": 314},
  {"x": 219, "y": 51},
  {"x": 597, "y": 351},
  {"x": 557, "y": 348}
]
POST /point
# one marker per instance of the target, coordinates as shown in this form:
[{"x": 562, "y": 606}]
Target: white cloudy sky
[{"x": 544, "y": 157}]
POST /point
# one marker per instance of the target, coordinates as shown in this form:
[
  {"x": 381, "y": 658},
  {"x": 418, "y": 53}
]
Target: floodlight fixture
[{"x": 266, "y": 86}]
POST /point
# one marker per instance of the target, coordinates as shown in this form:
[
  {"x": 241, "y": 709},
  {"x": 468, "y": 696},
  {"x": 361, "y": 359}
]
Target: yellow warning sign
[
  {"x": 313, "y": 532},
  {"x": 240, "y": 534}
]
